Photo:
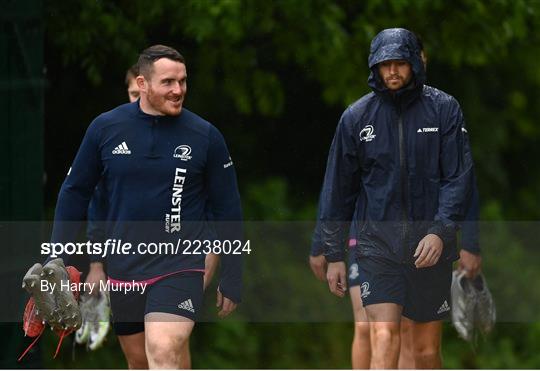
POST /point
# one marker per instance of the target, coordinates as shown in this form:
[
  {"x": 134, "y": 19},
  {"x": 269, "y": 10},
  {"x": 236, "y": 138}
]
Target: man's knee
[
  {"x": 385, "y": 331},
  {"x": 165, "y": 351},
  {"x": 165, "y": 336},
  {"x": 425, "y": 351},
  {"x": 427, "y": 340},
  {"x": 361, "y": 329}
]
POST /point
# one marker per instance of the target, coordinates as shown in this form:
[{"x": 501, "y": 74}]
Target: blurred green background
[{"x": 274, "y": 77}]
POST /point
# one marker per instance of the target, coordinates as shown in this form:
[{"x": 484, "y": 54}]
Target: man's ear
[{"x": 141, "y": 83}]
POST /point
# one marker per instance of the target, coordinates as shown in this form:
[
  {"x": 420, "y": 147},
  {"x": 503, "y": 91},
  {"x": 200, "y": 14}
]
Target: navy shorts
[
  {"x": 180, "y": 294},
  {"x": 424, "y": 293}
]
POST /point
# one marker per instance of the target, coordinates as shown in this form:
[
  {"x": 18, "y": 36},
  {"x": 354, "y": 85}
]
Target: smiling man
[
  {"x": 163, "y": 83},
  {"x": 400, "y": 161},
  {"x": 163, "y": 170}
]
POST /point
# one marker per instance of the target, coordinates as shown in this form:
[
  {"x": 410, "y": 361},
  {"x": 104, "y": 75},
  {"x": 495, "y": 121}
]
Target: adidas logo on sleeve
[{"x": 121, "y": 149}]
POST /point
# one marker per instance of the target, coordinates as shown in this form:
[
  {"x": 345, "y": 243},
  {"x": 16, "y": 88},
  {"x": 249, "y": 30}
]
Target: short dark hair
[
  {"x": 152, "y": 54},
  {"x": 132, "y": 73}
]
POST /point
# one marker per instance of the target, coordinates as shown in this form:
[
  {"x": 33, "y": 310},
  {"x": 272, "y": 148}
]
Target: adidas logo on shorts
[
  {"x": 187, "y": 305},
  {"x": 121, "y": 149},
  {"x": 444, "y": 308}
]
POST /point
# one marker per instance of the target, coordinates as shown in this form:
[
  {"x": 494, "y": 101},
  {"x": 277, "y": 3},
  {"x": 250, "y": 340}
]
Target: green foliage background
[{"x": 274, "y": 76}]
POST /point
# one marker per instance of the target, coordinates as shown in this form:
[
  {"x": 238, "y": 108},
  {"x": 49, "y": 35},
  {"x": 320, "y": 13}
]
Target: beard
[
  {"x": 168, "y": 105},
  {"x": 397, "y": 82}
]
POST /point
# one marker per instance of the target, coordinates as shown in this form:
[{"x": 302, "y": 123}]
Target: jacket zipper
[{"x": 403, "y": 178}]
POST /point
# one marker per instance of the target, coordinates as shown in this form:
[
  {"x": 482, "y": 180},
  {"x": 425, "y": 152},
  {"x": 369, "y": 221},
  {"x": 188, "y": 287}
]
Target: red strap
[
  {"x": 31, "y": 345},
  {"x": 60, "y": 343}
]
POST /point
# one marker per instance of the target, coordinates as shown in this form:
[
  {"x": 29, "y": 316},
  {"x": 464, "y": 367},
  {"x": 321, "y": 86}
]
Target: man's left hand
[
  {"x": 226, "y": 305},
  {"x": 429, "y": 251},
  {"x": 337, "y": 278},
  {"x": 96, "y": 275},
  {"x": 470, "y": 263},
  {"x": 210, "y": 264},
  {"x": 318, "y": 266}
]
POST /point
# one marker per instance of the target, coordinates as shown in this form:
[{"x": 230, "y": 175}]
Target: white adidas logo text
[
  {"x": 121, "y": 149},
  {"x": 444, "y": 308},
  {"x": 187, "y": 305}
]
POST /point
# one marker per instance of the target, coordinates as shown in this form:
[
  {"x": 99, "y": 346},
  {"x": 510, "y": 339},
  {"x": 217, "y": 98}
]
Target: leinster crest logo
[
  {"x": 182, "y": 152},
  {"x": 364, "y": 290},
  {"x": 366, "y": 134}
]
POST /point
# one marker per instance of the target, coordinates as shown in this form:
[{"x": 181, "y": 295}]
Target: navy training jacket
[
  {"x": 159, "y": 177},
  {"x": 469, "y": 229},
  {"x": 404, "y": 157}
]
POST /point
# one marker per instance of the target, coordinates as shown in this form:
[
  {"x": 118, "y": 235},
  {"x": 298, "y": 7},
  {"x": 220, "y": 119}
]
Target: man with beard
[
  {"x": 95, "y": 232},
  {"x": 399, "y": 159},
  {"x": 470, "y": 262},
  {"x": 163, "y": 170}
]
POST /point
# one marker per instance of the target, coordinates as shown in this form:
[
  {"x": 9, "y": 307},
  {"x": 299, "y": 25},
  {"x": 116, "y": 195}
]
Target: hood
[{"x": 395, "y": 43}]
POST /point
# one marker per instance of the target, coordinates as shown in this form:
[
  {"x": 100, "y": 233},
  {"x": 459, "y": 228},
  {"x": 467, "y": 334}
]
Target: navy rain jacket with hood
[{"x": 401, "y": 160}]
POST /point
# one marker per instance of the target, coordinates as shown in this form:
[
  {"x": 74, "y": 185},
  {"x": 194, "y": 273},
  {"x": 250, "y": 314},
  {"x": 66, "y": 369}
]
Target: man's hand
[
  {"x": 227, "y": 305},
  {"x": 95, "y": 276},
  {"x": 429, "y": 251},
  {"x": 318, "y": 266},
  {"x": 210, "y": 264},
  {"x": 470, "y": 263},
  {"x": 336, "y": 277}
]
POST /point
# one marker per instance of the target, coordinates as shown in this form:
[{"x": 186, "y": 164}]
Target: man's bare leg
[
  {"x": 427, "y": 344},
  {"x": 166, "y": 334},
  {"x": 361, "y": 345},
  {"x": 384, "y": 321},
  {"x": 406, "y": 357},
  {"x": 185, "y": 356},
  {"x": 133, "y": 348}
]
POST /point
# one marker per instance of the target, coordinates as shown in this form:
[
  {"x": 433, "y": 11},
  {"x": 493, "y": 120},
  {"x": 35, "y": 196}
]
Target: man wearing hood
[{"x": 400, "y": 162}]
